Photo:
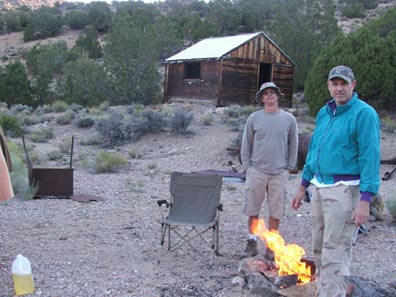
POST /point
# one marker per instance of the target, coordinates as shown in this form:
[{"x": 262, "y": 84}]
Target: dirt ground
[{"x": 111, "y": 247}]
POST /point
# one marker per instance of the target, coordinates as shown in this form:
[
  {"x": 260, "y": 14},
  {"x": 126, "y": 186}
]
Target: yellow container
[{"x": 22, "y": 276}]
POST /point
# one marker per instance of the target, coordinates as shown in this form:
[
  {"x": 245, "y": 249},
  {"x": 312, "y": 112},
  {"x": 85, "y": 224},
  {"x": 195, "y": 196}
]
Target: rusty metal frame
[{"x": 51, "y": 181}]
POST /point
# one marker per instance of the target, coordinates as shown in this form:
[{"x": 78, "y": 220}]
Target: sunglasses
[{"x": 266, "y": 93}]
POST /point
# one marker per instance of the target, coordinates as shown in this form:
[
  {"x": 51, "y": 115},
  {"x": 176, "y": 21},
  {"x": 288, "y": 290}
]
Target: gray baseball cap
[
  {"x": 342, "y": 72},
  {"x": 265, "y": 86}
]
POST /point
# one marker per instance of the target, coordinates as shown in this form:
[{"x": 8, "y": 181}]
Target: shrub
[
  {"x": 59, "y": 106},
  {"x": 134, "y": 153},
  {"x": 31, "y": 120},
  {"x": 153, "y": 121},
  {"x": 65, "y": 118},
  {"x": 135, "y": 109},
  {"x": 19, "y": 175},
  {"x": 135, "y": 186},
  {"x": 148, "y": 122},
  {"x": 353, "y": 11},
  {"x": 207, "y": 119},
  {"x": 110, "y": 162},
  {"x": 41, "y": 136},
  {"x": 93, "y": 139},
  {"x": 104, "y": 106},
  {"x": 10, "y": 125},
  {"x": 111, "y": 130},
  {"x": 181, "y": 120},
  {"x": 44, "y": 109},
  {"x": 65, "y": 146},
  {"x": 388, "y": 123},
  {"x": 20, "y": 109},
  {"x": 233, "y": 111},
  {"x": 391, "y": 206},
  {"x": 85, "y": 122},
  {"x": 55, "y": 155}
]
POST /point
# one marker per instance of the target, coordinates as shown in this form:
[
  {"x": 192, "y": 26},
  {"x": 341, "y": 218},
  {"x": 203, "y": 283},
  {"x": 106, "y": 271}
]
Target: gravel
[{"x": 111, "y": 247}]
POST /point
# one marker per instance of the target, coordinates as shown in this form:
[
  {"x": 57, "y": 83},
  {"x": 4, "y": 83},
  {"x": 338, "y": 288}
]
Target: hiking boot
[
  {"x": 251, "y": 249},
  {"x": 269, "y": 254}
]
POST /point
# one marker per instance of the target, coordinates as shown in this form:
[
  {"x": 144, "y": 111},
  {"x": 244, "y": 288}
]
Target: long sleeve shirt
[{"x": 270, "y": 142}]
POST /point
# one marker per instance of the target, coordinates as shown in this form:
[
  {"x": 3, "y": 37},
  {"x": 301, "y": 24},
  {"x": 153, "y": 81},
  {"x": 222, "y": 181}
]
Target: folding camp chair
[{"x": 192, "y": 212}]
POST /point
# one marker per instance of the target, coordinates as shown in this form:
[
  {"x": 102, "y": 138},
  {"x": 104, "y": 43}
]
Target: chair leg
[
  {"x": 217, "y": 238},
  {"x": 169, "y": 237},
  {"x": 163, "y": 232}
]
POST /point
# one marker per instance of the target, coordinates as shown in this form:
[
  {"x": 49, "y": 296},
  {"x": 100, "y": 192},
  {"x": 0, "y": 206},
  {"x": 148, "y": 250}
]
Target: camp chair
[{"x": 192, "y": 212}]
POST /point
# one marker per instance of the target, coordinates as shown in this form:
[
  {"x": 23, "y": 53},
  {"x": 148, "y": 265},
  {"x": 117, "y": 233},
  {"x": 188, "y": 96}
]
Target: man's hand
[
  {"x": 298, "y": 197},
  {"x": 361, "y": 213}
]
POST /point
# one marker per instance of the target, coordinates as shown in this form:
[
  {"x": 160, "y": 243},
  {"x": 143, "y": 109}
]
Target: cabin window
[{"x": 192, "y": 70}]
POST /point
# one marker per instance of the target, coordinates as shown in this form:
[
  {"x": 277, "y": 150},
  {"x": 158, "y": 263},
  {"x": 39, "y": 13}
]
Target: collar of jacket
[{"x": 331, "y": 105}]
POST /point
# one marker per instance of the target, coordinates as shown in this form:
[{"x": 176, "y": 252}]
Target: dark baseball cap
[{"x": 342, "y": 72}]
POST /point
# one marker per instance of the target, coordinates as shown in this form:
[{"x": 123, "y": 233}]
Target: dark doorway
[{"x": 265, "y": 74}]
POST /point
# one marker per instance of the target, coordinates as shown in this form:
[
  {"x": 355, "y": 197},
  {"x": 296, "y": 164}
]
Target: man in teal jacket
[{"x": 343, "y": 163}]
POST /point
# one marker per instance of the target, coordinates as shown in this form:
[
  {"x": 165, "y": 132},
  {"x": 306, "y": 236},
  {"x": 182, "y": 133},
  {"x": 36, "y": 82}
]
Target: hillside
[{"x": 12, "y": 4}]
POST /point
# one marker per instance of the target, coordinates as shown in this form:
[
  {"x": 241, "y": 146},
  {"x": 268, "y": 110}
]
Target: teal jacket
[{"x": 345, "y": 146}]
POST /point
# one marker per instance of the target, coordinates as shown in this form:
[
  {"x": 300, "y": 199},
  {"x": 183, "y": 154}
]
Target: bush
[
  {"x": 55, "y": 155},
  {"x": 65, "y": 146},
  {"x": 135, "y": 153},
  {"x": 41, "y": 110},
  {"x": 109, "y": 162},
  {"x": 207, "y": 119},
  {"x": 59, "y": 106},
  {"x": 19, "y": 175},
  {"x": 65, "y": 118},
  {"x": 21, "y": 109},
  {"x": 85, "y": 122},
  {"x": 148, "y": 122},
  {"x": 353, "y": 11},
  {"x": 41, "y": 136},
  {"x": 10, "y": 125},
  {"x": 391, "y": 206},
  {"x": 181, "y": 120},
  {"x": 112, "y": 130}
]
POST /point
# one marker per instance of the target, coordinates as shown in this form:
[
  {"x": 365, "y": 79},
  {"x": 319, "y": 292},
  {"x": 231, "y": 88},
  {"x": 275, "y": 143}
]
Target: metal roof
[
  {"x": 212, "y": 48},
  {"x": 217, "y": 47}
]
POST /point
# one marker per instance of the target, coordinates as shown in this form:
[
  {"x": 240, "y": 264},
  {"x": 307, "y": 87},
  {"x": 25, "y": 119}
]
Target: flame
[{"x": 287, "y": 257}]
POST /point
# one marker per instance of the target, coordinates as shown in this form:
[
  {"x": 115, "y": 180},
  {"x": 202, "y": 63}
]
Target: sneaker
[
  {"x": 251, "y": 249},
  {"x": 269, "y": 254}
]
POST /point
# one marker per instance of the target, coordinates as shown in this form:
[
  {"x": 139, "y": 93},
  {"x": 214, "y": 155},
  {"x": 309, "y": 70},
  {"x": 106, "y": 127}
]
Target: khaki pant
[
  {"x": 259, "y": 185},
  {"x": 332, "y": 233}
]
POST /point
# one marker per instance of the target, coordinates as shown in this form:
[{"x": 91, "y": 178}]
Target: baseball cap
[
  {"x": 342, "y": 72},
  {"x": 265, "y": 86}
]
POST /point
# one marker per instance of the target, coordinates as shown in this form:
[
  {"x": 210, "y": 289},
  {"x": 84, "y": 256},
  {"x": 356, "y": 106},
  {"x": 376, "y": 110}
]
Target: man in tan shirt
[{"x": 268, "y": 153}]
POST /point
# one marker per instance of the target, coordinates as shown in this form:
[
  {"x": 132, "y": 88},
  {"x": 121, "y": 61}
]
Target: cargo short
[{"x": 259, "y": 186}]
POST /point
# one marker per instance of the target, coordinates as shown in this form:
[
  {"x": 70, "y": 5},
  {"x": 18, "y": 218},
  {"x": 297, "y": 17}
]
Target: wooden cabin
[{"x": 228, "y": 70}]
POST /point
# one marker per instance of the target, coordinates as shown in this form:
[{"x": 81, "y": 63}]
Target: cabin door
[{"x": 265, "y": 73}]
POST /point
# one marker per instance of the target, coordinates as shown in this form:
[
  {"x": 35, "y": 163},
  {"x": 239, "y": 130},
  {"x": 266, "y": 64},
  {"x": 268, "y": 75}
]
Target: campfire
[
  {"x": 289, "y": 274},
  {"x": 288, "y": 258}
]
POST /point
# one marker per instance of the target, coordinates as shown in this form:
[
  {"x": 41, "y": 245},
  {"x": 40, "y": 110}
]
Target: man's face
[
  {"x": 269, "y": 97},
  {"x": 341, "y": 90}
]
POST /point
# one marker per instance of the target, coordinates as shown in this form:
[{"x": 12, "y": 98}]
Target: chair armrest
[{"x": 220, "y": 207}]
